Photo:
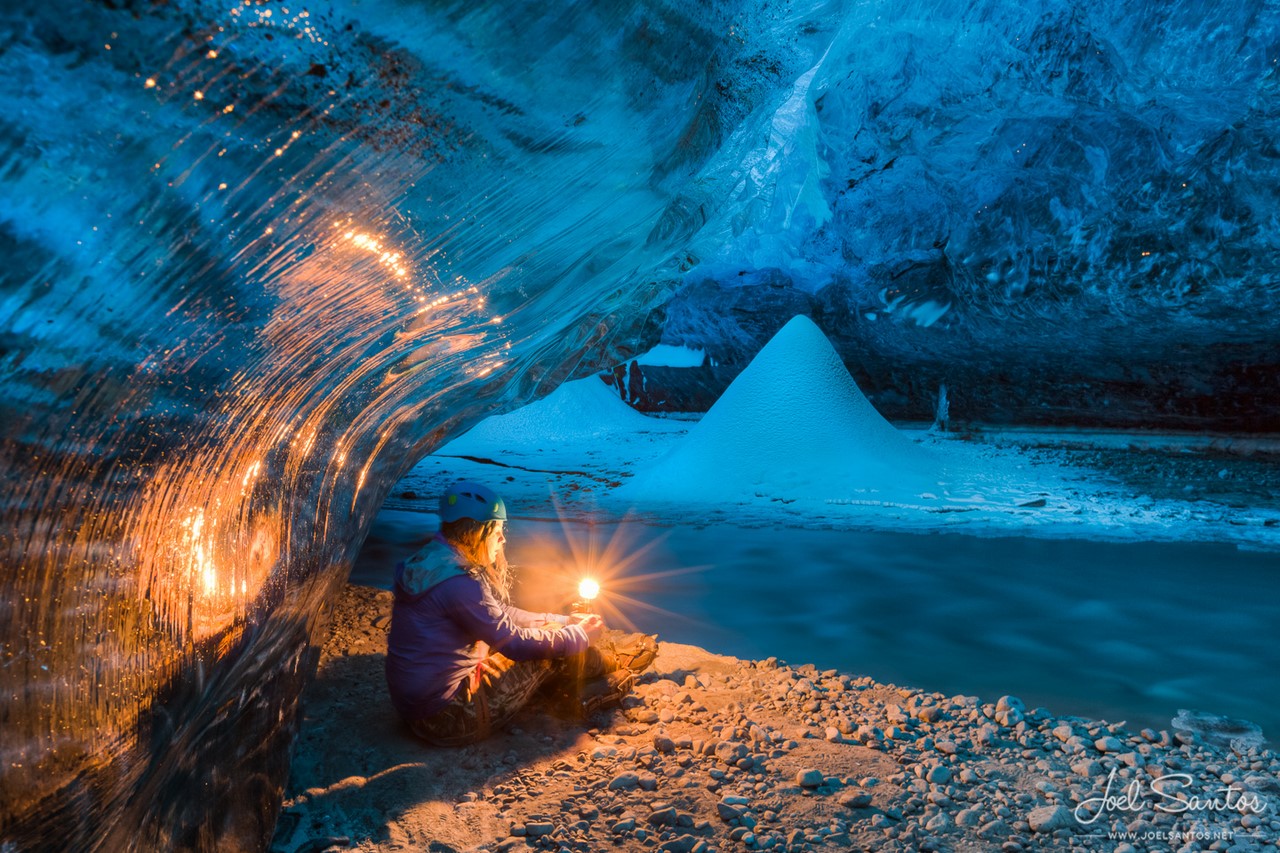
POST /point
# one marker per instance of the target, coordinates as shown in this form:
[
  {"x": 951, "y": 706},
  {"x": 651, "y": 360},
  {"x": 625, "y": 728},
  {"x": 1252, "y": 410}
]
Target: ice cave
[{"x": 262, "y": 259}]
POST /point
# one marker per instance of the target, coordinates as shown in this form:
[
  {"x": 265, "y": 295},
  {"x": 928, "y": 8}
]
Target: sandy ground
[{"x": 716, "y": 754}]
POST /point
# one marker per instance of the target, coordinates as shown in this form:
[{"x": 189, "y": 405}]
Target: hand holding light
[
  {"x": 588, "y": 589},
  {"x": 593, "y": 625}
]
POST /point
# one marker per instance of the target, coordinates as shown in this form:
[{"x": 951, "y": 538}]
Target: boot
[
  {"x": 632, "y": 652},
  {"x": 606, "y": 691}
]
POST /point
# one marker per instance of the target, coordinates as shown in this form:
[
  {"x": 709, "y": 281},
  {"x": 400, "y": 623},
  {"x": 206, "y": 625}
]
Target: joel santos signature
[{"x": 1172, "y": 798}]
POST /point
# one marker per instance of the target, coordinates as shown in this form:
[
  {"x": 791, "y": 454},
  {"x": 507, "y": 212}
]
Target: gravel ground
[{"x": 712, "y": 753}]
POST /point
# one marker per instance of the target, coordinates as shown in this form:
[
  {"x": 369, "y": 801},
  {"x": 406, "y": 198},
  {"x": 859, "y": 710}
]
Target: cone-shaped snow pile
[
  {"x": 793, "y": 425},
  {"x": 576, "y": 411}
]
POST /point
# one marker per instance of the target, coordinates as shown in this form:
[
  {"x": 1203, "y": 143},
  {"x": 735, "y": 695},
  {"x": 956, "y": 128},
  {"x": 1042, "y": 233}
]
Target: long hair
[{"x": 468, "y": 536}]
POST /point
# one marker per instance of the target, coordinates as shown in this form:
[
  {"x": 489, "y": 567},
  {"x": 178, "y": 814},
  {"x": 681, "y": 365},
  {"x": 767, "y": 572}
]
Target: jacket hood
[{"x": 435, "y": 563}]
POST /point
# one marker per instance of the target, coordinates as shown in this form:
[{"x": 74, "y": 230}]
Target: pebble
[
  {"x": 1050, "y": 818},
  {"x": 663, "y": 817},
  {"x": 809, "y": 778},
  {"x": 1108, "y": 744},
  {"x": 939, "y": 774},
  {"x": 728, "y": 811},
  {"x": 683, "y": 844},
  {"x": 855, "y": 800},
  {"x": 624, "y": 782}
]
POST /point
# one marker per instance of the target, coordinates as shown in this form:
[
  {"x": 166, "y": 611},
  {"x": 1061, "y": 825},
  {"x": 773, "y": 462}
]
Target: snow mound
[
  {"x": 669, "y": 355},
  {"x": 576, "y": 411},
  {"x": 793, "y": 425}
]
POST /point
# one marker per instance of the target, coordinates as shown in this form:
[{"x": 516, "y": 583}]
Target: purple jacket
[{"x": 439, "y": 614}]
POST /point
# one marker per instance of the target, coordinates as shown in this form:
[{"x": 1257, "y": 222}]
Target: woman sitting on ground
[{"x": 461, "y": 660}]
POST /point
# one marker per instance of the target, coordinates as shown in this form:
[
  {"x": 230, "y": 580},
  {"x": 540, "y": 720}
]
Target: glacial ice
[{"x": 260, "y": 259}]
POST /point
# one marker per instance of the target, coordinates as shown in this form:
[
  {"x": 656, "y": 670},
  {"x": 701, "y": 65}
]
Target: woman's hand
[{"x": 593, "y": 625}]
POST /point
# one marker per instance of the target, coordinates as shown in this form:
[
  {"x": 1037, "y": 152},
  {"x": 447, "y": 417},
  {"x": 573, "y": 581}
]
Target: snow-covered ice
[{"x": 792, "y": 425}]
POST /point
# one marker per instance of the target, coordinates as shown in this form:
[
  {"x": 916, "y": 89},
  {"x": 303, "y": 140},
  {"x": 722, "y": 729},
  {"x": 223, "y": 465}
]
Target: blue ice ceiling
[{"x": 259, "y": 258}]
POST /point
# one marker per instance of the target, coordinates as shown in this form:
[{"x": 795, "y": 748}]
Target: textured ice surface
[{"x": 257, "y": 260}]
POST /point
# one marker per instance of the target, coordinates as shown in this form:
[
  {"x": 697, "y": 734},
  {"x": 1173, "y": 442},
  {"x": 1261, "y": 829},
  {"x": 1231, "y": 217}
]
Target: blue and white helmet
[{"x": 471, "y": 500}]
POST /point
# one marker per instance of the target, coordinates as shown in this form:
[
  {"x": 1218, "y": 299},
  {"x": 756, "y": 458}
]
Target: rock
[
  {"x": 1108, "y": 744},
  {"x": 869, "y": 734},
  {"x": 663, "y": 817},
  {"x": 809, "y": 778},
  {"x": 538, "y": 828},
  {"x": 1009, "y": 717},
  {"x": 624, "y": 782},
  {"x": 625, "y": 825},
  {"x": 939, "y": 774},
  {"x": 929, "y": 714},
  {"x": 1063, "y": 733},
  {"x": 647, "y": 782},
  {"x": 1050, "y": 818},
  {"x": 728, "y": 812},
  {"x": 969, "y": 817},
  {"x": 1010, "y": 703},
  {"x": 855, "y": 800},
  {"x": 832, "y": 734},
  {"x": 1089, "y": 769},
  {"x": 665, "y": 745},
  {"x": 683, "y": 844},
  {"x": 1009, "y": 711},
  {"x": 993, "y": 830}
]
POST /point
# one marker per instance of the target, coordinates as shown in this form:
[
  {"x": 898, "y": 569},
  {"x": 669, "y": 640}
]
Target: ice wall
[
  {"x": 258, "y": 259},
  {"x": 1064, "y": 212}
]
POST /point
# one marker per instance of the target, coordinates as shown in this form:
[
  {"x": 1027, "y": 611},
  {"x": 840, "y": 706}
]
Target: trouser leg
[{"x": 500, "y": 688}]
